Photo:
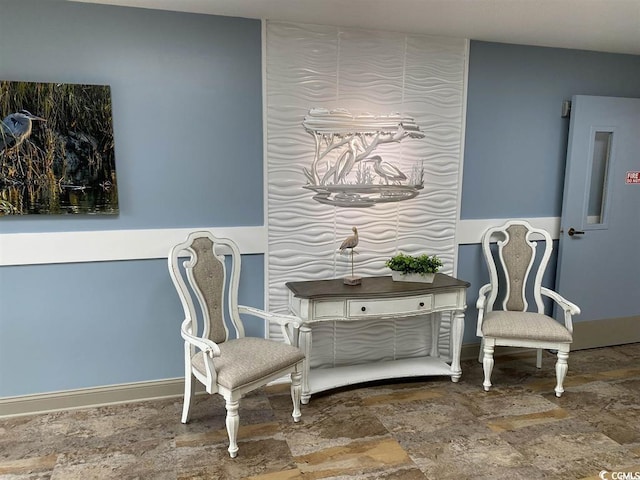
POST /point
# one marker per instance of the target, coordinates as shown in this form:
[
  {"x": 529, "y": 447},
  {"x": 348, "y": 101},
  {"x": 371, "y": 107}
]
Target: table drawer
[
  {"x": 328, "y": 309},
  {"x": 448, "y": 300},
  {"x": 389, "y": 306}
]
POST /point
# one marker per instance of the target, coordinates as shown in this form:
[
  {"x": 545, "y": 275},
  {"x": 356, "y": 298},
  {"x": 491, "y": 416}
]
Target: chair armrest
[
  {"x": 279, "y": 318},
  {"x": 482, "y": 296},
  {"x": 568, "y": 307},
  {"x": 207, "y": 346},
  {"x": 289, "y": 324},
  {"x": 210, "y": 350}
]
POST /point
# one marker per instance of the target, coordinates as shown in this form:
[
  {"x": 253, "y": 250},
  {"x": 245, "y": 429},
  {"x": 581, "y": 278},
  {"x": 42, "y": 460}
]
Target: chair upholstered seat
[
  {"x": 245, "y": 360},
  {"x": 524, "y": 325}
]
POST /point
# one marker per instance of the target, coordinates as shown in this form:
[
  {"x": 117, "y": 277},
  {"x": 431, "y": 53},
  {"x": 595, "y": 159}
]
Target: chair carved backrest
[
  {"x": 205, "y": 270},
  {"x": 517, "y": 256}
]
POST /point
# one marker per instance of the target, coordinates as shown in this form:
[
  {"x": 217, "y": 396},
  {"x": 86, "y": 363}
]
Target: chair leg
[
  {"x": 233, "y": 422},
  {"x": 539, "y": 358},
  {"x": 296, "y": 392},
  {"x": 189, "y": 390},
  {"x": 481, "y": 352},
  {"x": 561, "y": 370},
  {"x": 487, "y": 365}
]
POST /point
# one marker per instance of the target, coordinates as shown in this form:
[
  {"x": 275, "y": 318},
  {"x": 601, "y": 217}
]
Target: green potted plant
[{"x": 409, "y": 268}]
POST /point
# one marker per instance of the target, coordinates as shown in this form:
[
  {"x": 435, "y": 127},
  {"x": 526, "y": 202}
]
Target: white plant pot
[{"x": 412, "y": 277}]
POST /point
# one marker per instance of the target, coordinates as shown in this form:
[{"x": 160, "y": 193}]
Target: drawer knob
[
  {"x": 364, "y": 309},
  {"x": 422, "y": 304}
]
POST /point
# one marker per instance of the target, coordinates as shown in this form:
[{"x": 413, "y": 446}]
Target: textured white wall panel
[{"x": 381, "y": 73}]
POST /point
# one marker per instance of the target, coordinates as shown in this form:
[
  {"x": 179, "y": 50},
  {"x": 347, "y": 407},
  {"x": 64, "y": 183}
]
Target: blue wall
[
  {"x": 187, "y": 107},
  {"x": 516, "y": 139}
]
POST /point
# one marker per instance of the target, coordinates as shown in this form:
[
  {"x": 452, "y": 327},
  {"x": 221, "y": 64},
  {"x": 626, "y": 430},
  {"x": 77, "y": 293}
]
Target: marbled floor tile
[
  {"x": 606, "y": 395},
  {"x": 88, "y": 429},
  {"x": 632, "y": 384},
  {"x": 359, "y": 458},
  {"x": 337, "y": 399},
  {"x": 593, "y": 464},
  {"x": 514, "y": 422},
  {"x": 630, "y": 349},
  {"x": 255, "y": 457},
  {"x": 293, "y": 474},
  {"x": 573, "y": 380},
  {"x": 424, "y": 418},
  {"x": 565, "y": 453},
  {"x": 380, "y": 397},
  {"x": 331, "y": 429},
  {"x": 471, "y": 456},
  {"x": 619, "y": 373},
  {"x": 622, "y": 426},
  {"x": 520, "y": 438},
  {"x": 392, "y": 473},
  {"x": 500, "y": 403},
  {"x": 449, "y": 472},
  {"x": 548, "y": 384},
  {"x": 33, "y": 436},
  {"x": 128, "y": 461},
  {"x": 209, "y": 411},
  {"x": 598, "y": 359},
  {"x": 220, "y": 436},
  {"x": 321, "y": 406},
  {"x": 28, "y": 466}
]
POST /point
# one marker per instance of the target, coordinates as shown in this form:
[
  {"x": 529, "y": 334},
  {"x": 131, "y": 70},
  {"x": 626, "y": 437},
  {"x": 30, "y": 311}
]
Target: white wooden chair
[
  {"x": 228, "y": 366},
  {"x": 514, "y": 325}
]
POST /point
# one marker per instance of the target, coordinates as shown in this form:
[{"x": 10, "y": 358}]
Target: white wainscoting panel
[
  {"x": 470, "y": 231},
  {"x": 113, "y": 245}
]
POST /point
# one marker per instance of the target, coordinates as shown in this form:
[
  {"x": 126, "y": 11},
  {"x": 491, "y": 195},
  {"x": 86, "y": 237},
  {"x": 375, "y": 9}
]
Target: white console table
[{"x": 375, "y": 299}]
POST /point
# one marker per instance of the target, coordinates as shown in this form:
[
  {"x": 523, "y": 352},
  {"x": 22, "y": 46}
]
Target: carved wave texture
[{"x": 381, "y": 73}]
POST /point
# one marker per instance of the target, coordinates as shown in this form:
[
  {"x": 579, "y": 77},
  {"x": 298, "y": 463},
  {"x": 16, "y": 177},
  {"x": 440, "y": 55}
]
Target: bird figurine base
[{"x": 352, "y": 280}]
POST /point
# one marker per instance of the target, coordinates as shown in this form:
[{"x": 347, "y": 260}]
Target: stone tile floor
[{"x": 414, "y": 429}]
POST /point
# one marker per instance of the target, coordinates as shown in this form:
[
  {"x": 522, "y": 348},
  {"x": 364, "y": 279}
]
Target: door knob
[{"x": 572, "y": 231}]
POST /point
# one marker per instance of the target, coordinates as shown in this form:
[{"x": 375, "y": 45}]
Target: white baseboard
[
  {"x": 604, "y": 333},
  {"x": 90, "y": 397}
]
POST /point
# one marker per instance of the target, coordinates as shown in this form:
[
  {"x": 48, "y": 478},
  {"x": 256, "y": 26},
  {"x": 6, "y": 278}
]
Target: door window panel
[{"x": 602, "y": 142}]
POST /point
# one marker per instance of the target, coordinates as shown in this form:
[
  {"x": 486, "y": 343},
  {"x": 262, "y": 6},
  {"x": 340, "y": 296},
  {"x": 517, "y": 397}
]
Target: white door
[{"x": 599, "y": 254}]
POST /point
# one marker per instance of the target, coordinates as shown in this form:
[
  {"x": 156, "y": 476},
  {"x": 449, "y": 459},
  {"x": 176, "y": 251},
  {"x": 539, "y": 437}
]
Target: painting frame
[{"x": 57, "y": 149}]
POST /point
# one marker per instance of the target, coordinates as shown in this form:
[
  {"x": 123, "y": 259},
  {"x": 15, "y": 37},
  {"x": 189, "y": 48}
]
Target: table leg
[
  {"x": 435, "y": 334},
  {"x": 457, "y": 331},
  {"x": 305, "y": 345}
]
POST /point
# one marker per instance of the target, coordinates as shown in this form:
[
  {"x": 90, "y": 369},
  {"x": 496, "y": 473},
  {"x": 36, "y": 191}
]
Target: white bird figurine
[{"x": 351, "y": 241}]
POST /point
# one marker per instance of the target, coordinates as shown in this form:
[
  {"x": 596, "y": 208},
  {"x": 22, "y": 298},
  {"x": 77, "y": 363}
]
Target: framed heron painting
[{"x": 56, "y": 149}]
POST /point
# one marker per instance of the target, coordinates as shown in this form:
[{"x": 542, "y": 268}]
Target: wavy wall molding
[{"x": 327, "y": 67}]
